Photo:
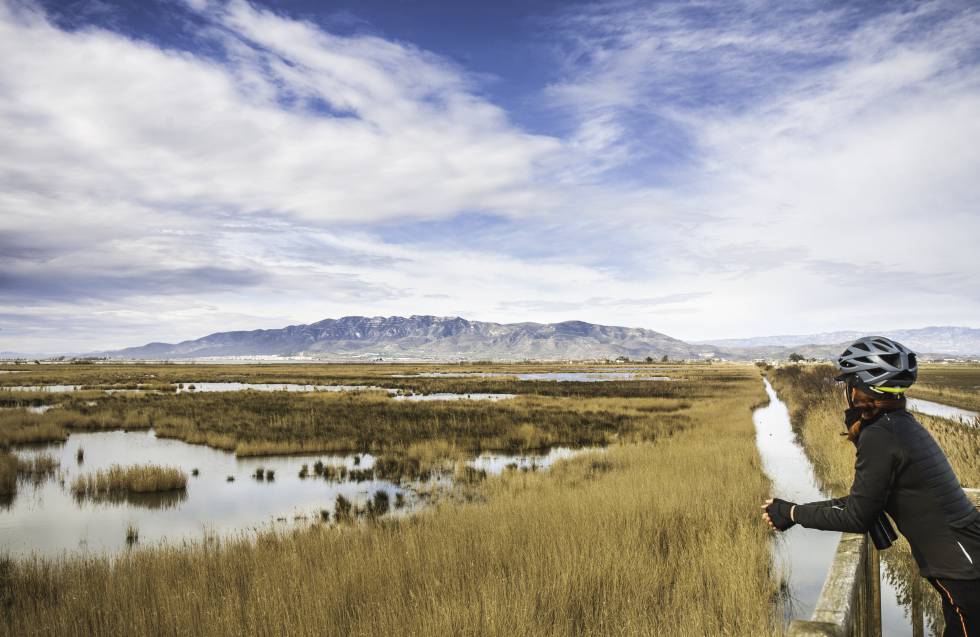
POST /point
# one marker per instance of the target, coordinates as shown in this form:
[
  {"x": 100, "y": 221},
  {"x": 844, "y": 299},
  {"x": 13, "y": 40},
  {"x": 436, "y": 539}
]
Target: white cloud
[
  {"x": 819, "y": 174},
  {"x": 115, "y": 118},
  {"x": 862, "y": 157}
]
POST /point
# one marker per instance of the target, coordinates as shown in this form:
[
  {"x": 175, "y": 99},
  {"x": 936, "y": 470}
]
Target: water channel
[{"x": 803, "y": 556}]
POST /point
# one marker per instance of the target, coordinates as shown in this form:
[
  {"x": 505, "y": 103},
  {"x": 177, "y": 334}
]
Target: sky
[{"x": 706, "y": 169}]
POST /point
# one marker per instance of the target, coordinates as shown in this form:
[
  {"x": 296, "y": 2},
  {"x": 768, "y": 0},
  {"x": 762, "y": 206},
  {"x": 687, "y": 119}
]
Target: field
[
  {"x": 648, "y": 537},
  {"x": 816, "y": 405},
  {"x": 957, "y": 385}
]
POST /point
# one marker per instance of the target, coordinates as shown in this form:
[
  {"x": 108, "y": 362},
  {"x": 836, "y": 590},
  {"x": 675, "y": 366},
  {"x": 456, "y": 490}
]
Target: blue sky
[{"x": 705, "y": 169}]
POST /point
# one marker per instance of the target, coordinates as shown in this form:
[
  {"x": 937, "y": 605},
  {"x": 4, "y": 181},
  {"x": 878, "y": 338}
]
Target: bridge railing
[{"x": 850, "y": 600}]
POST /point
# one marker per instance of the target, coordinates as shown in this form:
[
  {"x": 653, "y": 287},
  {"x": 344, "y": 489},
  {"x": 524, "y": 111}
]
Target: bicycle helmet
[{"x": 879, "y": 364}]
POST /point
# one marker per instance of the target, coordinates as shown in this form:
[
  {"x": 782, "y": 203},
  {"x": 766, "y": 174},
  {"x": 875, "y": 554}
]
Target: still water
[
  {"x": 802, "y": 556},
  {"x": 193, "y": 388},
  {"x": 579, "y": 377},
  {"x": 45, "y": 518},
  {"x": 940, "y": 410}
]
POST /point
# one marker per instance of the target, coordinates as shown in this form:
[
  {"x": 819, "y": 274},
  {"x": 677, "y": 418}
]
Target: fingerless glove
[{"x": 779, "y": 514}]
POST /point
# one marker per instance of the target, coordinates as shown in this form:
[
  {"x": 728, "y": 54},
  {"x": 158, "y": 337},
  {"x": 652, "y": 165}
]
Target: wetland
[{"x": 562, "y": 508}]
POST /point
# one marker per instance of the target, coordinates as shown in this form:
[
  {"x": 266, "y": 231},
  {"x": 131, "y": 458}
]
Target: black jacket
[{"x": 900, "y": 469}]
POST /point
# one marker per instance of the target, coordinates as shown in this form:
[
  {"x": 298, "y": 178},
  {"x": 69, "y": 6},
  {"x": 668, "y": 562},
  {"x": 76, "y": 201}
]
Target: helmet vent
[{"x": 894, "y": 360}]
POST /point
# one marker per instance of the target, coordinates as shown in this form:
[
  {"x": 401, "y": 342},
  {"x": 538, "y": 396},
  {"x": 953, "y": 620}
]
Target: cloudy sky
[{"x": 705, "y": 169}]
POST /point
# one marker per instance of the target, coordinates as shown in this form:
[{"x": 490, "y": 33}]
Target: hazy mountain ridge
[
  {"x": 428, "y": 337},
  {"x": 455, "y": 338},
  {"x": 935, "y": 339}
]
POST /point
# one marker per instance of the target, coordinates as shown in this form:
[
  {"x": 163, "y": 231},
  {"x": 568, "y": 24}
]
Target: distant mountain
[
  {"x": 961, "y": 341},
  {"x": 429, "y": 337}
]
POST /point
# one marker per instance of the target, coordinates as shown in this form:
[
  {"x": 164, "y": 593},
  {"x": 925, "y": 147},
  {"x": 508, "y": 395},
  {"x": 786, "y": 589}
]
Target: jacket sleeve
[
  {"x": 836, "y": 502},
  {"x": 876, "y": 456}
]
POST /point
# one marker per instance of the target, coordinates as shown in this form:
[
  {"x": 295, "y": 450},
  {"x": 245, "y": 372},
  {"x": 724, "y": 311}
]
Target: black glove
[{"x": 779, "y": 513}]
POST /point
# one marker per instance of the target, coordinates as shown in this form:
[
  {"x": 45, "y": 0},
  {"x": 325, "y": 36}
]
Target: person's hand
[{"x": 778, "y": 514}]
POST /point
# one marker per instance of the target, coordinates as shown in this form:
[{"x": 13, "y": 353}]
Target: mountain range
[
  {"x": 455, "y": 338},
  {"x": 945, "y": 339}
]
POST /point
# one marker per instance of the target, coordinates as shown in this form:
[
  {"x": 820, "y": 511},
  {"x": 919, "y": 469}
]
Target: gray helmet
[{"x": 878, "y": 363}]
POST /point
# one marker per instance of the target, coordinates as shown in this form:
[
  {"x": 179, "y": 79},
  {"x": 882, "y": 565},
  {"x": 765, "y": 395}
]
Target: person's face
[{"x": 858, "y": 398}]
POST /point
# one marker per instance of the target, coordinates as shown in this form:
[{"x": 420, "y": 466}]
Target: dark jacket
[{"x": 900, "y": 469}]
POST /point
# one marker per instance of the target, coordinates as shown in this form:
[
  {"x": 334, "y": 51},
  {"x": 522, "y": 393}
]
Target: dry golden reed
[{"x": 119, "y": 480}]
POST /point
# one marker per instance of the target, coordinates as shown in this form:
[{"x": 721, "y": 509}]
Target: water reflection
[
  {"x": 224, "y": 493},
  {"x": 266, "y": 387},
  {"x": 496, "y": 463},
  {"x": 579, "y": 377},
  {"x": 447, "y": 396},
  {"x": 940, "y": 410},
  {"x": 57, "y": 389},
  {"x": 159, "y": 500},
  {"x": 223, "y": 387}
]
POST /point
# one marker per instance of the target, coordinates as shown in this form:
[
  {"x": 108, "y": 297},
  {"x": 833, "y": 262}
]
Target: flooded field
[
  {"x": 213, "y": 387},
  {"x": 609, "y": 526},
  {"x": 577, "y": 377},
  {"x": 940, "y": 410},
  {"x": 223, "y": 497}
]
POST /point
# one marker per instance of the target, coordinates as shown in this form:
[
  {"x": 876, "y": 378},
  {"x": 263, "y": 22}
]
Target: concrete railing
[{"x": 850, "y": 601}]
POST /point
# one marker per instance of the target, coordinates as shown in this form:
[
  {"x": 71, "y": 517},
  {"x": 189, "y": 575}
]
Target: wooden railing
[{"x": 850, "y": 601}]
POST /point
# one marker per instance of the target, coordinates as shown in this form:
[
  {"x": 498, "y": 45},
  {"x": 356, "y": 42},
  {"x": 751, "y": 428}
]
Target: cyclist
[{"x": 900, "y": 470}]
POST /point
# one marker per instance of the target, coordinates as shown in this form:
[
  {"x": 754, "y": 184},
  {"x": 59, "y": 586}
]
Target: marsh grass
[
  {"x": 130, "y": 375},
  {"x": 35, "y": 468},
  {"x": 266, "y": 423},
  {"x": 118, "y": 480},
  {"x": 132, "y": 534},
  {"x": 21, "y": 427},
  {"x": 9, "y": 467},
  {"x": 610, "y": 544},
  {"x": 40, "y": 465}
]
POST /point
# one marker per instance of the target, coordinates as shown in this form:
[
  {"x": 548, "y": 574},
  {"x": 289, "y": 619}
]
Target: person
[{"x": 900, "y": 470}]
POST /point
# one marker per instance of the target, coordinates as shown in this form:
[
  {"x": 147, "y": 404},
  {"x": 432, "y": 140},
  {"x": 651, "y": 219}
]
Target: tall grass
[
  {"x": 652, "y": 537},
  {"x": 157, "y": 376},
  {"x": 21, "y": 427},
  {"x": 262, "y": 423},
  {"x": 119, "y": 480},
  {"x": 39, "y": 465},
  {"x": 11, "y": 466},
  {"x": 8, "y": 473}
]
